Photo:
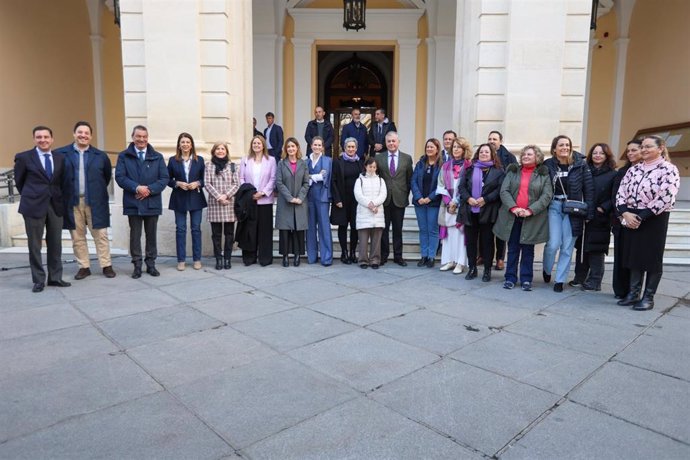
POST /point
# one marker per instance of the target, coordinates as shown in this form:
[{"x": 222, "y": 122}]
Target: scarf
[
  {"x": 347, "y": 157},
  {"x": 477, "y": 179},
  {"x": 220, "y": 163}
]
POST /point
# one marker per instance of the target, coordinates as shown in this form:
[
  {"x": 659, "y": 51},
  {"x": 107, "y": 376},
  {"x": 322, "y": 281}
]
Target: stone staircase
[{"x": 677, "y": 243}]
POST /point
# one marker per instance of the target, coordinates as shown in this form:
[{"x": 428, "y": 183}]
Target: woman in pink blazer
[{"x": 259, "y": 170}]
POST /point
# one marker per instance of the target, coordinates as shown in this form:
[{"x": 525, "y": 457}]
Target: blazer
[
  {"x": 379, "y": 138},
  {"x": 320, "y": 191},
  {"x": 276, "y": 138},
  {"x": 130, "y": 172},
  {"x": 36, "y": 189},
  {"x": 417, "y": 183},
  {"x": 267, "y": 179},
  {"x": 398, "y": 186},
  {"x": 312, "y": 131},
  {"x": 350, "y": 130},
  {"x": 186, "y": 200},
  {"x": 225, "y": 183},
  {"x": 98, "y": 171},
  {"x": 291, "y": 216},
  {"x": 491, "y": 189}
]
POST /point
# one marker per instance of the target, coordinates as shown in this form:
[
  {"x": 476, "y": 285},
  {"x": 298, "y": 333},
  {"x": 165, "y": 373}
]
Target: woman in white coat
[{"x": 370, "y": 193}]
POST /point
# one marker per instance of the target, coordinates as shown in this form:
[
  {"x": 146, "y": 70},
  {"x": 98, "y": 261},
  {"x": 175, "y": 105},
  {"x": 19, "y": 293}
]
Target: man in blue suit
[
  {"x": 142, "y": 174},
  {"x": 357, "y": 130},
  {"x": 43, "y": 183},
  {"x": 91, "y": 172},
  {"x": 274, "y": 137}
]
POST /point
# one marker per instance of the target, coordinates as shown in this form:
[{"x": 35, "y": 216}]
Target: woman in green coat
[{"x": 523, "y": 218}]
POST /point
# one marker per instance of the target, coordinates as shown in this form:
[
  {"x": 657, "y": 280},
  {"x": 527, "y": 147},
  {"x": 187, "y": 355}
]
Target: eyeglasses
[{"x": 652, "y": 146}]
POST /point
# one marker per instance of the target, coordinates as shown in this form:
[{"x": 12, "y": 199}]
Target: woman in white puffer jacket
[{"x": 370, "y": 193}]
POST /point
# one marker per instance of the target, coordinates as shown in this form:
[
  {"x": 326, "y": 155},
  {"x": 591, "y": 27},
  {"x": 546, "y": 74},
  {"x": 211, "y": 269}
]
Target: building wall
[
  {"x": 116, "y": 135},
  {"x": 46, "y": 78}
]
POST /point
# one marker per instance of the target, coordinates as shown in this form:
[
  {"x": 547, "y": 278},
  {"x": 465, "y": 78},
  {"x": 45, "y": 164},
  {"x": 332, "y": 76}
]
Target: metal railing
[{"x": 7, "y": 182}]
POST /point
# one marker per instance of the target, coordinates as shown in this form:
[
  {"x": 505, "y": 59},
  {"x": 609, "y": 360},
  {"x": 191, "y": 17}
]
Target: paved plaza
[{"x": 337, "y": 363}]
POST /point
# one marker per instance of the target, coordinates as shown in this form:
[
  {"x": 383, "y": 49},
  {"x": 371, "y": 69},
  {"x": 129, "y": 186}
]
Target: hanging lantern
[{"x": 354, "y": 14}]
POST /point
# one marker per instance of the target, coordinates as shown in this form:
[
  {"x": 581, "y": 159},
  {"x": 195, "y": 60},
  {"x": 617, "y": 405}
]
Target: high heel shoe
[{"x": 471, "y": 273}]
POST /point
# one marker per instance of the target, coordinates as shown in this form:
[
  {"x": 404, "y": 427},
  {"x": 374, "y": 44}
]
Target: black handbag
[{"x": 573, "y": 207}]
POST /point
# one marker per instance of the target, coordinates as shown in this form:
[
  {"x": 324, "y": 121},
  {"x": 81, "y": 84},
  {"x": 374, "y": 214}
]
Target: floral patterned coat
[{"x": 651, "y": 190}]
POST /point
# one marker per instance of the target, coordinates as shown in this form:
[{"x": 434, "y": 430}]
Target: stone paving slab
[
  {"x": 682, "y": 310},
  {"x": 367, "y": 279},
  {"x": 40, "y": 351},
  {"x": 203, "y": 289},
  {"x": 104, "y": 307},
  {"x": 640, "y": 396},
  {"x": 575, "y": 432},
  {"x": 151, "y": 427},
  {"x": 37, "y": 320},
  {"x": 475, "y": 407},
  {"x": 576, "y": 334},
  {"x": 152, "y": 326},
  {"x": 294, "y": 328},
  {"x": 360, "y": 428},
  {"x": 242, "y": 306},
  {"x": 363, "y": 359},
  {"x": 543, "y": 365},
  {"x": 252, "y": 402},
  {"x": 18, "y": 296},
  {"x": 259, "y": 278},
  {"x": 479, "y": 310},
  {"x": 184, "y": 359},
  {"x": 97, "y": 285},
  {"x": 413, "y": 292},
  {"x": 362, "y": 308},
  {"x": 431, "y": 331},
  {"x": 308, "y": 291},
  {"x": 36, "y": 400},
  {"x": 541, "y": 295}
]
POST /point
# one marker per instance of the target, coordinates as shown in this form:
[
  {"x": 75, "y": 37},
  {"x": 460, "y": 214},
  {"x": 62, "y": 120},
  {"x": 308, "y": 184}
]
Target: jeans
[
  {"x": 515, "y": 250},
  {"x": 427, "y": 219},
  {"x": 181, "y": 234},
  {"x": 560, "y": 238}
]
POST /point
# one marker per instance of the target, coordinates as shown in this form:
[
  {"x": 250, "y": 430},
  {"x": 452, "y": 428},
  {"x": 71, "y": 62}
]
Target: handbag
[
  {"x": 446, "y": 219},
  {"x": 575, "y": 208}
]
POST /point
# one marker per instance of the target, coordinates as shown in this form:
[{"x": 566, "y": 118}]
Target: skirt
[{"x": 644, "y": 247}]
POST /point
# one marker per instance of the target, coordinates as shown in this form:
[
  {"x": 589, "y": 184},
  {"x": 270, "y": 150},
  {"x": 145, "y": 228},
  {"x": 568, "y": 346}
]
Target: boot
[
  {"x": 486, "y": 277},
  {"x": 344, "y": 258},
  {"x": 635, "y": 288},
  {"x": 471, "y": 273},
  {"x": 286, "y": 261},
  {"x": 219, "y": 263},
  {"x": 353, "y": 256},
  {"x": 647, "y": 300},
  {"x": 296, "y": 261},
  {"x": 228, "y": 264}
]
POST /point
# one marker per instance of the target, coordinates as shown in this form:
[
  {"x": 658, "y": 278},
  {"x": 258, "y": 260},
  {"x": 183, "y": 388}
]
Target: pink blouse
[{"x": 653, "y": 187}]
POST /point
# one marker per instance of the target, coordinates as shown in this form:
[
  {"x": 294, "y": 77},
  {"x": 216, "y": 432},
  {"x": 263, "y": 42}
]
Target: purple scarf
[
  {"x": 477, "y": 180},
  {"x": 347, "y": 157}
]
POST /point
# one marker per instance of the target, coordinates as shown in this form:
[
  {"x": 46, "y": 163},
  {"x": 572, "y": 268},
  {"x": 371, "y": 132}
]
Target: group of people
[{"x": 468, "y": 203}]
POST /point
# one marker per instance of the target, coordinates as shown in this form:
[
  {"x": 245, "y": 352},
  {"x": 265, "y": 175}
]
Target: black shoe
[
  {"x": 219, "y": 263},
  {"x": 228, "y": 264},
  {"x": 400, "y": 261},
  {"x": 374, "y": 267},
  {"x": 486, "y": 277},
  {"x": 296, "y": 261},
  {"x": 353, "y": 257},
  {"x": 59, "y": 283},
  {"x": 152, "y": 271},
  {"x": 345, "y": 259},
  {"x": 547, "y": 276},
  {"x": 363, "y": 266},
  {"x": 83, "y": 273},
  {"x": 430, "y": 262},
  {"x": 38, "y": 287},
  {"x": 645, "y": 303},
  {"x": 421, "y": 263},
  {"x": 589, "y": 287},
  {"x": 136, "y": 274},
  {"x": 558, "y": 287},
  {"x": 575, "y": 283},
  {"x": 286, "y": 261},
  {"x": 384, "y": 261},
  {"x": 471, "y": 273},
  {"x": 618, "y": 296}
]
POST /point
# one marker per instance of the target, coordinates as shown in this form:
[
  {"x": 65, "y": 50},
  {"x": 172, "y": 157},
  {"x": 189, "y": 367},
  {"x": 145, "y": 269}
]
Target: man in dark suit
[
  {"x": 91, "y": 172},
  {"x": 142, "y": 174},
  {"x": 377, "y": 132},
  {"x": 507, "y": 158},
  {"x": 357, "y": 130},
  {"x": 43, "y": 183},
  {"x": 448, "y": 138},
  {"x": 395, "y": 168},
  {"x": 274, "y": 137},
  {"x": 321, "y": 127}
]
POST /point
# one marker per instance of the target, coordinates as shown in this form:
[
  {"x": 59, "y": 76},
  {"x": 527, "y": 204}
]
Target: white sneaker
[
  {"x": 458, "y": 269},
  {"x": 447, "y": 267},
  {"x": 180, "y": 266}
]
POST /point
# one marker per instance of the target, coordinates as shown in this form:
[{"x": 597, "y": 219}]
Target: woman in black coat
[
  {"x": 593, "y": 246},
  {"x": 479, "y": 201},
  {"x": 571, "y": 180},
  {"x": 621, "y": 275},
  {"x": 346, "y": 170}
]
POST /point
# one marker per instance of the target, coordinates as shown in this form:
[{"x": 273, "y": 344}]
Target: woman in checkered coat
[{"x": 222, "y": 182}]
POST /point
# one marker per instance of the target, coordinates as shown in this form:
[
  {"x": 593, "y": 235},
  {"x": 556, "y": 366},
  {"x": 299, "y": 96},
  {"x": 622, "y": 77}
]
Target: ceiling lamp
[{"x": 354, "y": 14}]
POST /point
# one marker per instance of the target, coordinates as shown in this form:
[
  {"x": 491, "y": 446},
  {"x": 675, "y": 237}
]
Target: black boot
[
  {"x": 486, "y": 277},
  {"x": 353, "y": 256},
  {"x": 344, "y": 258},
  {"x": 219, "y": 263},
  {"x": 295, "y": 262},
  {"x": 471, "y": 273},
  {"x": 647, "y": 300},
  {"x": 286, "y": 261},
  {"x": 228, "y": 264},
  {"x": 635, "y": 288}
]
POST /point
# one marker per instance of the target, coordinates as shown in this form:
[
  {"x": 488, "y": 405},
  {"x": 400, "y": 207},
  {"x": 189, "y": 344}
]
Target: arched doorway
[{"x": 349, "y": 79}]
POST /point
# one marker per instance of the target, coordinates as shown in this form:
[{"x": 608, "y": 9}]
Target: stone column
[
  {"x": 95, "y": 8},
  {"x": 303, "y": 82},
  {"x": 407, "y": 93}
]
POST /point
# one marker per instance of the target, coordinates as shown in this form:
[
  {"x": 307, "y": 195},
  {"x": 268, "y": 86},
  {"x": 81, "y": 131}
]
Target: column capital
[{"x": 406, "y": 43}]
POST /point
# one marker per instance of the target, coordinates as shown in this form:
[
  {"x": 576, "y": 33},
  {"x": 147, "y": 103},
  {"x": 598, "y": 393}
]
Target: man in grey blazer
[{"x": 395, "y": 168}]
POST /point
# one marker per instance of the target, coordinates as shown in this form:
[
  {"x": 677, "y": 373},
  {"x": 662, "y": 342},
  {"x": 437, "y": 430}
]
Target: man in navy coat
[
  {"x": 274, "y": 137},
  {"x": 43, "y": 183},
  {"x": 91, "y": 172},
  {"x": 321, "y": 127},
  {"x": 142, "y": 174},
  {"x": 357, "y": 130}
]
